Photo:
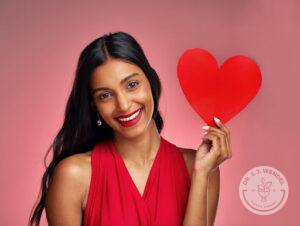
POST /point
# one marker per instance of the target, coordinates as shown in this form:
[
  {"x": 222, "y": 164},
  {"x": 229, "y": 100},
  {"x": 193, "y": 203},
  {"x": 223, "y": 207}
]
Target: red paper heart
[{"x": 212, "y": 91}]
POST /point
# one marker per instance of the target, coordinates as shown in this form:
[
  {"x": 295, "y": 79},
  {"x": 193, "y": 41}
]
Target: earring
[{"x": 99, "y": 123}]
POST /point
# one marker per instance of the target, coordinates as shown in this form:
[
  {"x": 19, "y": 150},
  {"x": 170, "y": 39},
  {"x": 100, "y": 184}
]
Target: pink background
[{"x": 39, "y": 48}]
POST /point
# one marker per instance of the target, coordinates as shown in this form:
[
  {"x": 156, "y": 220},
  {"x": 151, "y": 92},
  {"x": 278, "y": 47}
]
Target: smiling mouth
[{"x": 130, "y": 116}]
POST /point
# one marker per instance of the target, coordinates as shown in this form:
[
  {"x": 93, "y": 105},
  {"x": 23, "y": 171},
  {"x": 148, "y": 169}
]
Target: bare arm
[
  {"x": 196, "y": 211},
  {"x": 205, "y": 182},
  {"x": 65, "y": 194},
  {"x": 213, "y": 193},
  {"x": 203, "y": 199},
  {"x": 213, "y": 185}
]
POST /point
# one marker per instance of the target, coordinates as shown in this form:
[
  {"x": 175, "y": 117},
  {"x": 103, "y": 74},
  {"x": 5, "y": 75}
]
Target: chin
[{"x": 133, "y": 132}]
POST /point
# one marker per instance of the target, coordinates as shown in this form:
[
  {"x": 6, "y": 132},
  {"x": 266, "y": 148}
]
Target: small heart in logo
[{"x": 217, "y": 92}]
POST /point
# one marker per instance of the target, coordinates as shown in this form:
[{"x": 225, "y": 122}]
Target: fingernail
[
  {"x": 205, "y": 127},
  {"x": 217, "y": 120}
]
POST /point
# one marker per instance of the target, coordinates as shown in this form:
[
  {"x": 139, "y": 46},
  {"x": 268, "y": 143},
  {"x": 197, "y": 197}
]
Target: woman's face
[{"x": 119, "y": 89}]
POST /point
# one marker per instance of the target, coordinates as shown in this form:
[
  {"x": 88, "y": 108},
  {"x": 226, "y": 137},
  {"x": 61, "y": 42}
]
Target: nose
[{"x": 123, "y": 102}]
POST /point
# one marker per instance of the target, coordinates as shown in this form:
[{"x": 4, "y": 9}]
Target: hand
[{"x": 214, "y": 149}]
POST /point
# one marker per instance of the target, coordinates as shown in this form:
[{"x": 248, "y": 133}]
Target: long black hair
[{"x": 79, "y": 132}]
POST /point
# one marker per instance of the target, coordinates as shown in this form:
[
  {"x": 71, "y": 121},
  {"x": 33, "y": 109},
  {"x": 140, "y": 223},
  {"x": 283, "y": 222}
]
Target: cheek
[
  {"x": 104, "y": 111},
  {"x": 145, "y": 96}
]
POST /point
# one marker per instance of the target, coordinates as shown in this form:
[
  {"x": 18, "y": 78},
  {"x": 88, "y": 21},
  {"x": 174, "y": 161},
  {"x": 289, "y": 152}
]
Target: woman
[{"x": 110, "y": 165}]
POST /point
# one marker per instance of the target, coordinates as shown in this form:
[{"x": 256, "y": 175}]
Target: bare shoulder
[
  {"x": 77, "y": 163},
  {"x": 74, "y": 167},
  {"x": 78, "y": 169},
  {"x": 189, "y": 157},
  {"x": 67, "y": 190}
]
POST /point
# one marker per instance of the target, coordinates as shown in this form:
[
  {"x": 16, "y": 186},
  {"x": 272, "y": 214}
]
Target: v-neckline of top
[{"x": 152, "y": 169}]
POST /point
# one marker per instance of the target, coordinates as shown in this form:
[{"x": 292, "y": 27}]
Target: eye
[
  {"x": 133, "y": 84},
  {"x": 104, "y": 96}
]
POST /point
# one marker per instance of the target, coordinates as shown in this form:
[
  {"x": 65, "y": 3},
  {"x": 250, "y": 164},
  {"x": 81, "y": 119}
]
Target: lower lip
[{"x": 133, "y": 121}]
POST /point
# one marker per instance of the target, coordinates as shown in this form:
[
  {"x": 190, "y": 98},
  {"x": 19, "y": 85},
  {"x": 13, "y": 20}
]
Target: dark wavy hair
[{"x": 79, "y": 132}]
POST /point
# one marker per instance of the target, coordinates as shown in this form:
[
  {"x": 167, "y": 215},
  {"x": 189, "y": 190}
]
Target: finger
[
  {"x": 215, "y": 142},
  {"x": 219, "y": 131},
  {"x": 222, "y": 126},
  {"x": 223, "y": 144},
  {"x": 210, "y": 128},
  {"x": 219, "y": 155}
]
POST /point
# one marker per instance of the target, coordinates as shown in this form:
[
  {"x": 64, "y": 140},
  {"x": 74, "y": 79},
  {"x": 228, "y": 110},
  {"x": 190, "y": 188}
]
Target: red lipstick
[
  {"x": 132, "y": 121},
  {"x": 128, "y": 115}
]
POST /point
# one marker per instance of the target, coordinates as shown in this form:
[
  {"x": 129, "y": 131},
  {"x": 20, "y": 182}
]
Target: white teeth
[{"x": 131, "y": 117}]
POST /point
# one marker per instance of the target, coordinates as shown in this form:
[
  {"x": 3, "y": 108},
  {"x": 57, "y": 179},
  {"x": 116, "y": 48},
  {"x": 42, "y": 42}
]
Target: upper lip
[{"x": 128, "y": 115}]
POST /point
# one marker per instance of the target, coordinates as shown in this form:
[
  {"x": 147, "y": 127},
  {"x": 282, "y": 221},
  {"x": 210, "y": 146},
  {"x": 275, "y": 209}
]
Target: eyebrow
[{"x": 122, "y": 82}]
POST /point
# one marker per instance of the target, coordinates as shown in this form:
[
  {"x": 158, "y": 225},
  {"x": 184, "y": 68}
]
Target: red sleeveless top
[{"x": 114, "y": 199}]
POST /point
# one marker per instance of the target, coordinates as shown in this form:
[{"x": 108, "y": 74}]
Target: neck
[{"x": 140, "y": 150}]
